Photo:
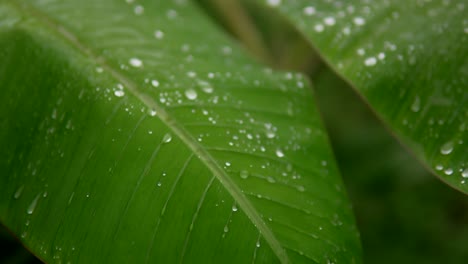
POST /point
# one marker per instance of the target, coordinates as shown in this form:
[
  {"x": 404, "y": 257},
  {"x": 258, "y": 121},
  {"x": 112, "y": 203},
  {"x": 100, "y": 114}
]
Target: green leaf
[
  {"x": 135, "y": 132},
  {"x": 409, "y": 60}
]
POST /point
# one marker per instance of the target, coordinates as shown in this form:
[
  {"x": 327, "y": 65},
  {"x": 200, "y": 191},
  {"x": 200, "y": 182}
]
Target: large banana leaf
[
  {"x": 409, "y": 60},
  {"x": 135, "y": 132}
]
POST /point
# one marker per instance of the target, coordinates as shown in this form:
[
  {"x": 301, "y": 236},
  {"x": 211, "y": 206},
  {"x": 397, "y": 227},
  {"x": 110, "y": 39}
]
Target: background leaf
[
  {"x": 140, "y": 133},
  {"x": 409, "y": 60}
]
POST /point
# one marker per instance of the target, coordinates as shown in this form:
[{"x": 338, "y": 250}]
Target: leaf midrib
[{"x": 178, "y": 129}]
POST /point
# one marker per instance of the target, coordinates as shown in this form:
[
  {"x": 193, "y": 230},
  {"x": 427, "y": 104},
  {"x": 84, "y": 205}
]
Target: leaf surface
[
  {"x": 409, "y": 60},
  {"x": 135, "y": 132}
]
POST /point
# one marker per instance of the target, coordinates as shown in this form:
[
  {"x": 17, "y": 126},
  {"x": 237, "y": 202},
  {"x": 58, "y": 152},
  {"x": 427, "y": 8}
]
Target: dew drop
[
  {"x": 329, "y": 21},
  {"x": 300, "y": 188},
  {"x": 119, "y": 93},
  {"x": 227, "y": 164},
  {"x": 319, "y": 28},
  {"x": 257, "y": 244},
  {"x": 159, "y": 184},
  {"x": 152, "y": 112},
  {"x": 244, "y": 174},
  {"x": 138, "y": 10},
  {"x": 279, "y": 153},
  {"x": 155, "y": 83},
  {"x": 33, "y": 204},
  {"x": 446, "y": 148},
  {"x": 273, "y": 2},
  {"x": 18, "y": 192},
  {"x": 371, "y": 61},
  {"x": 226, "y": 229},
  {"x": 158, "y": 34},
  {"x": 234, "y": 208},
  {"x": 359, "y": 21},
  {"x": 271, "y": 179},
  {"x": 309, "y": 10},
  {"x": 416, "y": 106},
  {"x": 448, "y": 171},
  {"x": 191, "y": 94},
  {"x": 167, "y": 138},
  {"x": 135, "y": 62},
  {"x": 465, "y": 173}
]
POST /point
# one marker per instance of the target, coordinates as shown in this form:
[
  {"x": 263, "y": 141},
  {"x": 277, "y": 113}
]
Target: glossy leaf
[
  {"x": 136, "y": 132},
  {"x": 409, "y": 60}
]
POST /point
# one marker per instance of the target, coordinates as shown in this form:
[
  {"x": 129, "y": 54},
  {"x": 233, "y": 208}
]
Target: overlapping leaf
[{"x": 409, "y": 60}]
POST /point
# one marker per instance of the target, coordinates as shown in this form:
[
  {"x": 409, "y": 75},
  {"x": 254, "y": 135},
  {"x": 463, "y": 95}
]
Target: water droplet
[
  {"x": 33, "y": 204},
  {"x": 226, "y": 229},
  {"x": 152, "y": 112},
  {"x": 319, "y": 28},
  {"x": 159, "y": 184},
  {"x": 279, "y": 153},
  {"x": 274, "y": 3},
  {"x": 244, "y": 174},
  {"x": 381, "y": 56},
  {"x": 136, "y": 62},
  {"x": 329, "y": 21},
  {"x": 155, "y": 83},
  {"x": 257, "y": 244},
  {"x": 371, "y": 61},
  {"x": 439, "y": 167},
  {"x": 446, "y": 148},
  {"x": 119, "y": 93},
  {"x": 448, "y": 171},
  {"x": 300, "y": 188},
  {"x": 234, "y": 208},
  {"x": 359, "y": 21},
  {"x": 271, "y": 179},
  {"x": 138, "y": 10},
  {"x": 465, "y": 173},
  {"x": 309, "y": 10},
  {"x": 18, "y": 192},
  {"x": 158, "y": 34},
  {"x": 227, "y": 164},
  {"x": 191, "y": 94},
  {"x": 416, "y": 106},
  {"x": 167, "y": 138}
]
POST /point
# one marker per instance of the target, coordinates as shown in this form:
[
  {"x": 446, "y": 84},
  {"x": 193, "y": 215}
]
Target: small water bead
[
  {"x": 300, "y": 188},
  {"x": 158, "y": 34},
  {"x": 18, "y": 192},
  {"x": 191, "y": 94},
  {"x": 191, "y": 74},
  {"x": 360, "y": 52},
  {"x": 119, "y": 93},
  {"x": 371, "y": 61},
  {"x": 465, "y": 173},
  {"x": 258, "y": 244},
  {"x": 33, "y": 204},
  {"x": 381, "y": 56},
  {"x": 448, "y": 171},
  {"x": 244, "y": 174},
  {"x": 279, "y": 153},
  {"x": 359, "y": 21},
  {"x": 439, "y": 167},
  {"x": 152, "y": 112},
  {"x": 309, "y": 10},
  {"x": 271, "y": 179},
  {"x": 274, "y": 3},
  {"x": 155, "y": 83},
  {"x": 228, "y": 164},
  {"x": 416, "y": 106},
  {"x": 135, "y": 62},
  {"x": 167, "y": 138},
  {"x": 447, "y": 148},
  {"x": 138, "y": 10},
  {"x": 319, "y": 28},
  {"x": 234, "y": 208},
  {"x": 159, "y": 184},
  {"x": 329, "y": 21},
  {"x": 226, "y": 229}
]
